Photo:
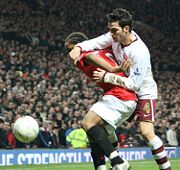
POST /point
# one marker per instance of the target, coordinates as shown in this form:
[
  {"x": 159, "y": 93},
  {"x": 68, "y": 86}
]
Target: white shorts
[{"x": 113, "y": 110}]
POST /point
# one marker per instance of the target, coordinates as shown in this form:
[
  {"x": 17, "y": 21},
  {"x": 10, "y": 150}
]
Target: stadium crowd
[{"x": 37, "y": 77}]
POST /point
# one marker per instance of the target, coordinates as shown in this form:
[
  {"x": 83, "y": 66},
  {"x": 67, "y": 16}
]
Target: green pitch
[{"x": 136, "y": 165}]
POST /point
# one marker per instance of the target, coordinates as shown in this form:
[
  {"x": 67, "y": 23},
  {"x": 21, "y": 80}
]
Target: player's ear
[{"x": 126, "y": 29}]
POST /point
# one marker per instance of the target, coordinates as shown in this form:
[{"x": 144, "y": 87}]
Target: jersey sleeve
[
  {"x": 141, "y": 60},
  {"x": 118, "y": 80},
  {"x": 100, "y": 42},
  {"x": 136, "y": 75}
]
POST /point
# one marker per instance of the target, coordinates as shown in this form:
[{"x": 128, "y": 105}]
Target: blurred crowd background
[{"x": 37, "y": 77}]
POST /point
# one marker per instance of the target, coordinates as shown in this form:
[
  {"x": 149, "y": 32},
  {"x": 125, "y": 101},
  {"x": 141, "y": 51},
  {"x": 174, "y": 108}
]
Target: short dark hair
[
  {"x": 76, "y": 37},
  {"x": 122, "y": 16}
]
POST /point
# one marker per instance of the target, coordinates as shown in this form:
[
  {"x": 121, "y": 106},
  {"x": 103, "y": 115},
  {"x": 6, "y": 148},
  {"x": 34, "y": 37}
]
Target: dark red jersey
[{"x": 109, "y": 89}]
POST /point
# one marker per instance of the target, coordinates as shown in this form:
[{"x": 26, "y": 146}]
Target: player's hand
[
  {"x": 74, "y": 54},
  {"x": 125, "y": 65},
  {"x": 98, "y": 75}
]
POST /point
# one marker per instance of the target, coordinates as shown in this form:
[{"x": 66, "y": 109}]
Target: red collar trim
[{"x": 130, "y": 42}]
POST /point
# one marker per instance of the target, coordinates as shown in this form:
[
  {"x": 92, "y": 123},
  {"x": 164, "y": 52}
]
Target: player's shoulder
[
  {"x": 138, "y": 48},
  {"x": 139, "y": 42}
]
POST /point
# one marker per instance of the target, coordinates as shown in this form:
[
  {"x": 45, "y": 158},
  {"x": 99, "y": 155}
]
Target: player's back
[{"x": 109, "y": 89}]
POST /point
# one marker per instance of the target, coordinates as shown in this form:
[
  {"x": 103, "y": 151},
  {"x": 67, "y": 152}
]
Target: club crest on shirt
[
  {"x": 138, "y": 71},
  {"x": 147, "y": 108}
]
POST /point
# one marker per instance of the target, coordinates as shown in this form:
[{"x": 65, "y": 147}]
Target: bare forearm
[{"x": 100, "y": 62}]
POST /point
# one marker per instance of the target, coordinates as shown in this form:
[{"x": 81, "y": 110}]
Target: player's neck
[{"x": 129, "y": 39}]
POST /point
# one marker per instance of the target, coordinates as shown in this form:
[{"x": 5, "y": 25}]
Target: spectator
[
  {"x": 122, "y": 141},
  {"x": 3, "y": 136},
  {"x": 178, "y": 134},
  {"x": 61, "y": 135},
  {"x": 10, "y": 136},
  {"x": 172, "y": 136},
  {"x": 45, "y": 138},
  {"x": 72, "y": 126},
  {"x": 77, "y": 138},
  {"x": 36, "y": 79}
]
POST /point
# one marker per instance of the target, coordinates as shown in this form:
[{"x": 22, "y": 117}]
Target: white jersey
[{"x": 139, "y": 78}]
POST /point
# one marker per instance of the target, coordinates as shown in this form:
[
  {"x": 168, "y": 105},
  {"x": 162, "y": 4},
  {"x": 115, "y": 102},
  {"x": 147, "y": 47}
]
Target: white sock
[
  {"x": 159, "y": 153},
  {"x": 101, "y": 167},
  {"x": 113, "y": 154}
]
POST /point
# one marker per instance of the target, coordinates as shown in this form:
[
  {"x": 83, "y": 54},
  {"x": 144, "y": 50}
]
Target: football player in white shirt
[{"x": 127, "y": 44}]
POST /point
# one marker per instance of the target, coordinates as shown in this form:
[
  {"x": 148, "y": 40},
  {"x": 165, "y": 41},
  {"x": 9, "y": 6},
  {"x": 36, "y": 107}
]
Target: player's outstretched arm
[
  {"x": 100, "y": 62},
  {"x": 106, "y": 77}
]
